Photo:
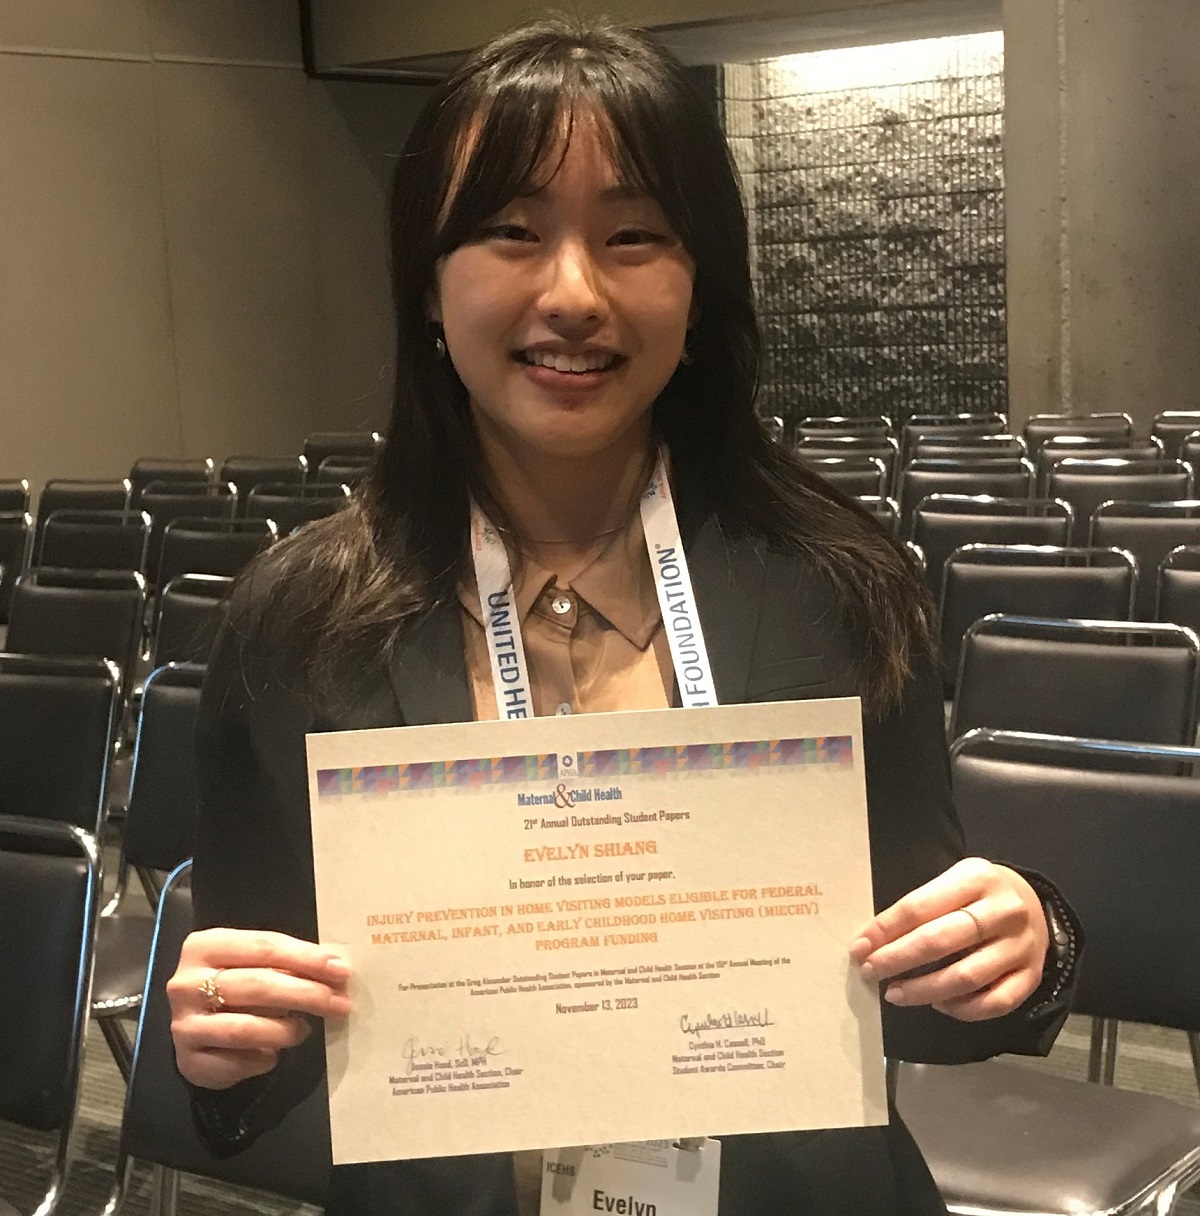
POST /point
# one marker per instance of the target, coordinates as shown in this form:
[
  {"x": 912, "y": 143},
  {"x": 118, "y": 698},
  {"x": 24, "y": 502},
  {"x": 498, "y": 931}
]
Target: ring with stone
[{"x": 210, "y": 989}]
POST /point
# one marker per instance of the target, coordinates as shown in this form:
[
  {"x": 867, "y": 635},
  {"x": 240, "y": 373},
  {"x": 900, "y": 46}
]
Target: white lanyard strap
[
  {"x": 493, "y": 576},
  {"x": 676, "y": 598}
]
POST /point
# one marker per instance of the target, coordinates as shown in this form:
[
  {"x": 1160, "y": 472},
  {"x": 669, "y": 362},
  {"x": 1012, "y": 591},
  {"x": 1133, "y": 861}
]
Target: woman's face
[{"x": 565, "y": 314}]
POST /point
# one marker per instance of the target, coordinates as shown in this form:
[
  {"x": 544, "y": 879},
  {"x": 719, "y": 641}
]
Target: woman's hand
[
  {"x": 984, "y": 915},
  {"x": 237, "y": 998}
]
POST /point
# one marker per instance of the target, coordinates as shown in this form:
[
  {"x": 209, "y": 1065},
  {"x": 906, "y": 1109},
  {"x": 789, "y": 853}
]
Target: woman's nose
[{"x": 573, "y": 295}]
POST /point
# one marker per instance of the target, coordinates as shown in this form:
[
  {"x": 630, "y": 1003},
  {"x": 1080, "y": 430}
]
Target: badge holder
[{"x": 648, "y": 1178}]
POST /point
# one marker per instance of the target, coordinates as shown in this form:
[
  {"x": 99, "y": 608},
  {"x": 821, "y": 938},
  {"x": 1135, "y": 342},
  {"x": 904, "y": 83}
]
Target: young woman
[{"x": 573, "y": 296}]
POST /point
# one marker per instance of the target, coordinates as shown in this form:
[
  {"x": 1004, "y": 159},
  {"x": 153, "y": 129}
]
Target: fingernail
[
  {"x": 307, "y": 1031},
  {"x": 339, "y": 1007},
  {"x": 897, "y": 994},
  {"x": 338, "y": 966},
  {"x": 860, "y": 948}
]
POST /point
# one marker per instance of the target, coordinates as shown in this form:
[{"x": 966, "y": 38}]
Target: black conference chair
[
  {"x": 1172, "y": 427},
  {"x": 59, "y": 716},
  {"x": 968, "y": 447},
  {"x": 1080, "y": 447},
  {"x": 1189, "y": 451},
  {"x": 1085, "y": 484},
  {"x": 94, "y": 540},
  {"x": 1005, "y": 477},
  {"x": 14, "y": 496},
  {"x": 189, "y": 615},
  {"x": 72, "y": 494},
  {"x": 1127, "y": 680},
  {"x": 16, "y": 537},
  {"x": 165, "y": 502},
  {"x": 292, "y": 1159},
  {"x": 886, "y": 510},
  {"x": 949, "y": 426},
  {"x": 1122, "y": 846},
  {"x": 212, "y": 546},
  {"x": 1111, "y": 426},
  {"x": 1178, "y": 599},
  {"x": 246, "y": 472},
  {"x": 322, "y": 444},
  {"x": 168, "y": 470},
  {"x": 1030, "y": 580},
  {"x": 80, "y": 613},
  {"x": 942, "y": 523},
  {"x": 875, "y": 425},
  {"x": 816, "y": 446},
  {"x": 1148, "y": 530},
  {"x": 344, "y": 470},
  {"x": 291, "y": 507},
  {"x": 159, "y": 832},
  {"x": 854, "y": 475},
  {"x": 49, "y": 901}
]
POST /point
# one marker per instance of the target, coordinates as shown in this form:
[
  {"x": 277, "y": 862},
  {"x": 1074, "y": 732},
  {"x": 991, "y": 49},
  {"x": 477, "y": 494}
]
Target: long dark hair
[{"x": 352, "y": 582}]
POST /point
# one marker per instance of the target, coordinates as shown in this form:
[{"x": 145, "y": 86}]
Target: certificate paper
[{"x": 597, "y": 928}]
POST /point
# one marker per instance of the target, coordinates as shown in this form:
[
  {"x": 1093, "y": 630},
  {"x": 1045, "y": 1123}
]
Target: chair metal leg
[
  {"x": 1194, "y": 1044},
  {"x": 164, "y": 1193},
  {"x": 1102, "y": 1058},
  {"x": 119, "y": 1043}
]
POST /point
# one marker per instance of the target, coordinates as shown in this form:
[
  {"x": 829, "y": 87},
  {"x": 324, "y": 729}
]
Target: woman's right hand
[{"x": 266, "y": 982}]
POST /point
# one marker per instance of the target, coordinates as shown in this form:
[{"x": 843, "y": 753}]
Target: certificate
[{"x": 597, "y": 928}]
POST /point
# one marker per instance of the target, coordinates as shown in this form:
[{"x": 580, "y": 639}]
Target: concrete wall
[
  {"x": 192, "y": 238},
  {"x": 1102, "y": 162}
]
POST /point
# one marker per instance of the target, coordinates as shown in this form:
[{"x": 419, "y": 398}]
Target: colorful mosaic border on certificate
[{"x": 766, "y": 753}]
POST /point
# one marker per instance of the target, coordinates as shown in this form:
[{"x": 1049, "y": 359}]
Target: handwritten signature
[
  {"x": 466, "y": 1048},
  {"x": 731, "y": 1019}
]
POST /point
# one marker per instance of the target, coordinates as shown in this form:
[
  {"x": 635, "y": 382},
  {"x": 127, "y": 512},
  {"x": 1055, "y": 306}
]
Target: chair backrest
[
  {"x": 876, "y": 425},
  {"x": 968, "y": 447},
  {"x": 246, "y": 472},
  {"x": 854, "y": 475},
  {"x": 1121, "y": 845},
  {"x": 322, "y": 444},
  {"x": 211, "y": 546},
  {"x": 94, "y": 540},
  {"x": 1085, "y": 484},
  {"x": 1148, "y": 530},
  {"x": 165, "y": 469},
  {"x": 817, "y": 445},
  {"x": 160, "y": 824},
  {"x": 1096, "y": 679},
  {"x": 1006, "y": 477},
  {"x": 16, "y": 536},
  {"x": 1189, "y": 449},
  {"x": 344, "y": 470},
  {"x": 955, "y": 426},
  {"x": 291, "y": 1159},
  {"x": 942, "y": 523},
  {"x": 189, "y": 615},
  {"x": 886, "y": 510},
  {"x": 1081, "y": 447},
  {"x": 1030, "y": 580},
  {"x": 1172, "y": 427},
  {"x": 1178, "y": 598},
  {"x": 1041, "y": 427},
  {"x": 165, "y": 503},
  {"x": 14, "y": 496},
  {"x": 49, "y": 902},
  {"x": 79, "y": 613},
  {"x": 59, "y": 716},
  {"x": 291, "y": 510}
]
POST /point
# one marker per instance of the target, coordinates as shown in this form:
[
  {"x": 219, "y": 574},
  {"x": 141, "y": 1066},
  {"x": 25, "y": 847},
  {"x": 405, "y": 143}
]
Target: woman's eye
[
  {"x": 635, "y": 236},
  {"x": 506, "y": 232}
]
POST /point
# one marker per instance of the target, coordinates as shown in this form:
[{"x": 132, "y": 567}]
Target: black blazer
[{"x": 774, "y": 632}]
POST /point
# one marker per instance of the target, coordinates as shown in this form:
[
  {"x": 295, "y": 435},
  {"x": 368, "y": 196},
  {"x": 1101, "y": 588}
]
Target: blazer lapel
[
  {"x": 428, "y": 670},
  {"x": 727, "y": 579}
]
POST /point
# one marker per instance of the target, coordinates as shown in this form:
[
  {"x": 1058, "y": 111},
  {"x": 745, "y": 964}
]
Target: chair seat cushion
[
  {"x": 1003, "y": 1136},
  {"x": 122, "y": 953}
]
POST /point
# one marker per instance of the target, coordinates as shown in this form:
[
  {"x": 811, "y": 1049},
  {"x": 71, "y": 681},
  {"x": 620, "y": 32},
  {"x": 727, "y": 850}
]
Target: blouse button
[
  {"x": 563, "y": 709},
  {"x": 561, "y": 605}
]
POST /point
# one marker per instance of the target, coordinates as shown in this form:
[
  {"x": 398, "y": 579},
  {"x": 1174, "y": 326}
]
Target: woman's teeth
[{"x": 570, "y": 363}]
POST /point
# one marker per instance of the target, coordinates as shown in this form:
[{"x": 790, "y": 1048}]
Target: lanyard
[{"x": 672, "y": 582}]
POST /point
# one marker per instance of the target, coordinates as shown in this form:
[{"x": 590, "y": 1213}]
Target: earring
[
  {"x": 686, "y": 357},
  {"x": 439, "y": 339}
]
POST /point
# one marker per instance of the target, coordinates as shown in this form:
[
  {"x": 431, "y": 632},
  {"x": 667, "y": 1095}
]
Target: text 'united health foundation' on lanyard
[{"x": 510, "y": 674}]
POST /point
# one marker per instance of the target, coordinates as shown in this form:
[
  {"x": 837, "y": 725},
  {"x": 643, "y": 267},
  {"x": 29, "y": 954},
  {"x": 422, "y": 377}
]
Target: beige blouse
[{"x": 593, "y": 645}]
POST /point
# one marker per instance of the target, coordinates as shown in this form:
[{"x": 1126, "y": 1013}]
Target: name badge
[{"x": 651, "y": 1178}]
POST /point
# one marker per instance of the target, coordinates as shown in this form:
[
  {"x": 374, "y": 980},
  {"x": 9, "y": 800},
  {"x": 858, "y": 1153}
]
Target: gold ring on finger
[
  {"x": 210, "y": 989},
  {"x": 976, "y": 922}
]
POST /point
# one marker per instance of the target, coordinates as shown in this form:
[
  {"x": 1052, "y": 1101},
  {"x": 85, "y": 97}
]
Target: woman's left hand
[{"x": 986, "y": 916}]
